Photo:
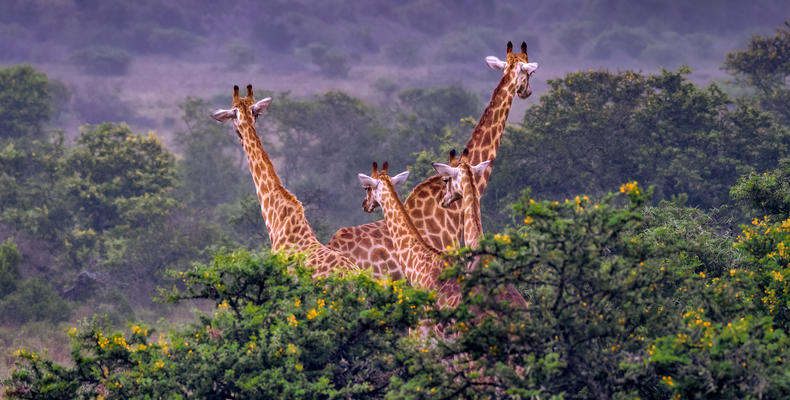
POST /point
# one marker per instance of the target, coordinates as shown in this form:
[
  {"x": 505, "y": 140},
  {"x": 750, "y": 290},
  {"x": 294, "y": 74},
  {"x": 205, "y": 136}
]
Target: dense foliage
[
  {"x": 765, "y": 66},
  {"x": 274, "y": 332},
  {"x": 595, "y": 129}
]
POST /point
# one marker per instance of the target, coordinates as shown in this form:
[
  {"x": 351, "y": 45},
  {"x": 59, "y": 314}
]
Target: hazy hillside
[{"x": 124, "y": 61}]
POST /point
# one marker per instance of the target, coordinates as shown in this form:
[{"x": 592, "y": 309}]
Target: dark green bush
[
  {"x": 9, "y": 267},
  {"x": 25, "y": 102},
  {"x": 34, "y": 300}
]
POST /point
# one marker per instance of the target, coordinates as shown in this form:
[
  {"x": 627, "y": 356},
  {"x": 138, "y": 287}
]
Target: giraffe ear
[
  {"x": 480, "y": 168},
  {"x": 400, "y": 178},
  {"x": 495, "y": 63},
  {"x": 367, "y": 182},
  {"x": 261, "y": 106},
  {"x": 444, "y": 170},
  {"x": 529, "y": 68},
  {"x": 224, "y": 115}
]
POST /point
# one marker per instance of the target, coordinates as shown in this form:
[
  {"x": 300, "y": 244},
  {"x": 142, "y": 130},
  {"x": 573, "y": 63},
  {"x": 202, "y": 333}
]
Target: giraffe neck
[
  {"x": 473, "y": 226},
  {"x": 283, "y": 213},
  {"x": 487, "y": 134},
  {"x": 418, "y": 258}
]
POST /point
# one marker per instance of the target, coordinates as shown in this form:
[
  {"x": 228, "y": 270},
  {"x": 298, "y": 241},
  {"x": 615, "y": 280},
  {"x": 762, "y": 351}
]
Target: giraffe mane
[
  {"x": 474, "y": 198},
  {"x": 287, "y": 195},
  {"x": 409, "y": 223},
  {"x": 487, "y": 119}
]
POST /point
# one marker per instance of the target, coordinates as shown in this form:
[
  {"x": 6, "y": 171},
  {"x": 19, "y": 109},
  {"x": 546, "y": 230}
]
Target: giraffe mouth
[
  {"x": 447, "y": 201},
  {"x": 524, "y": 93},
  {"x": 369, "y": 206}
]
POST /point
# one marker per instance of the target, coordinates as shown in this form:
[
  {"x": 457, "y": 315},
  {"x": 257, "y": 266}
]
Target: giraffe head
[
  {"x": 453, "y": 176},
  {"x": 375, "y": 183},
  {"x": 245, "y": 110},
  {"x": 518, "y": 66}
]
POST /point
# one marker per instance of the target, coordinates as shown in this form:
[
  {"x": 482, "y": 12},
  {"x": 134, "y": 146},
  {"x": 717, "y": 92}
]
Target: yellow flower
[
  {"x": 312, "y": 313},
  {"x": 528, "y": 220},
  {"x": 630, "y": 188}
]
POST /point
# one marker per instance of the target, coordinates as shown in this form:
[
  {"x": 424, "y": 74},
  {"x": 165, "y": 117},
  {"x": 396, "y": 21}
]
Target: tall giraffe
[
  {"x": 421, "y": 262},
  {"x": 371, "y": 245},
  {"x": 288, "y": 228},
  {"x": 460, "y": 184}
]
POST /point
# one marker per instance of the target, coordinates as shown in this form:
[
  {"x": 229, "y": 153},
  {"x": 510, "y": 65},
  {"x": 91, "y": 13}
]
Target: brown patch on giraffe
[
  {"x": 431, "y": 225},
  {"x": 379, "y": 254},
  {"x": 486, "y": 140}
]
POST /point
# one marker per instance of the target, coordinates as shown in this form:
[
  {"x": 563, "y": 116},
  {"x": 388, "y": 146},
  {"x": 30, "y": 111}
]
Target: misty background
[{"x": 135, "y": 61}]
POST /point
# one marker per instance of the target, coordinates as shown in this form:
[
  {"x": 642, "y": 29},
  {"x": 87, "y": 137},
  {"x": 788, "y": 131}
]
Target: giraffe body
[
  {"x": 460, "y": 184},
  {"x": 370, "y": 245},
  {"x": 421, "y": 262},
  {"x": 288, "y": 228}
]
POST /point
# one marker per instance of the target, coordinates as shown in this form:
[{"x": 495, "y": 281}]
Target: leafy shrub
[
  {"x": 765, "y": 66},
  {"x": 25, "y": 102},
  {"x": 9, "y": 267},
  {"x": 102, "y": 60},
  {"x": 594, "y": 129},
  {"x": 767, "y": 193},
  {"x": 274, "y": 332},
  {"x": 34, "y": 300}
]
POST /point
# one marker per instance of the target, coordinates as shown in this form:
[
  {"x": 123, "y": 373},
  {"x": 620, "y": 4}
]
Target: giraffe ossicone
[{"x": 283, "y": 213}]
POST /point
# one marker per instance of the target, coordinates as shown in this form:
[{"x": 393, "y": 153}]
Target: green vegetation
[
  {"x": 275, "y": 332},
  {"x": 25, "y": 101},
  {"x": 673, "y": 287},
  {"x": 595, "y": 129}
]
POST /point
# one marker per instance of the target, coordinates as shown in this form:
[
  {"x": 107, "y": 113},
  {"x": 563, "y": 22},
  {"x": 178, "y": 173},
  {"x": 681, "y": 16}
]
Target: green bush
[
  {"x": 595, "y": 129},
  {"x": 25, "y": 102},
  {"x": 102, "y": 60},
  {"x": 9, "y": 267},
  {"x": 767, "y": 193},
  {"x": 275, "y": 332},
  {"x": 765, "y": 65},
  {"x": 34, "y": 300}
]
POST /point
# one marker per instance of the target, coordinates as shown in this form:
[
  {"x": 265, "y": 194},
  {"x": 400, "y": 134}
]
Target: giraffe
[
  {"x": 370, "y": 245},
  {"x": 421, "y": 262},
  {"x": 288, "y": 228},
  {"x": 460, "y": 185}
]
